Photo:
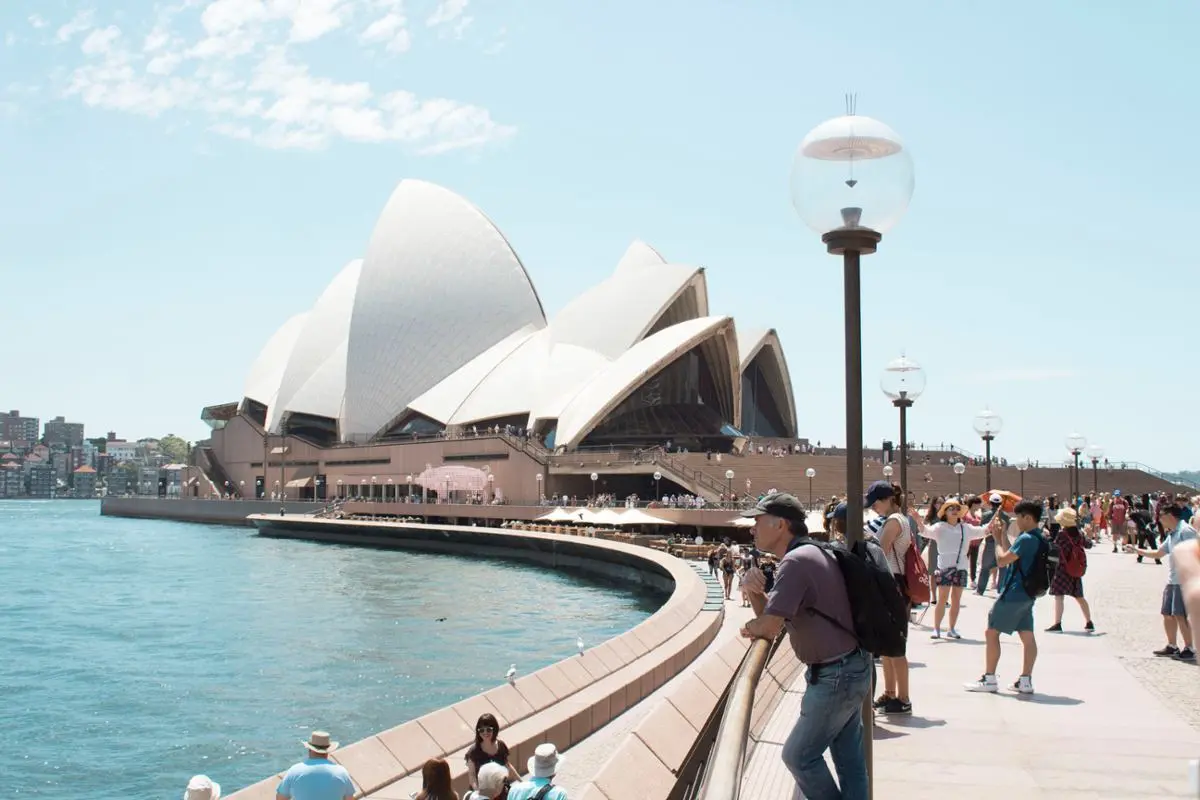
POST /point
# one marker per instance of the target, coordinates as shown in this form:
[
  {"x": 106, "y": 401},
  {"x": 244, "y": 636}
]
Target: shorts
[
  {"x": 1172, "y": 602},
  {"x": 1011, "y": 616},
  {"x": 952, "y": 577}
]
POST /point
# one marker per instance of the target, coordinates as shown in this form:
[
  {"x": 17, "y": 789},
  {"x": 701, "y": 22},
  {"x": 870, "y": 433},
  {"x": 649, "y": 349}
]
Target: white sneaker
[
  {"x": 1024, "y": 685},
  {"x": 986, "y": 683}
]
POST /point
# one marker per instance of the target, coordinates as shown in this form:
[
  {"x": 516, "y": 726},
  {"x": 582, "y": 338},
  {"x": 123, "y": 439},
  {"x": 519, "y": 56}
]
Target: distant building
[
  {"x": 21, "y": 431},
  {"x": 12, "y": 480},
  {"x": 63, "y": 466},
  {"x": 147, "y": 481},
  {"x": 59, "y": 431},
  {"x": 122, "y": 479},
  {"x": 85, "y": 482},
  {"x": 121, "y": 451},
  {"x": 41, "y": 480}
]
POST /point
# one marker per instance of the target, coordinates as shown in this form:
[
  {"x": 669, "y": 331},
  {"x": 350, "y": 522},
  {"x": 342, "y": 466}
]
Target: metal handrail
[{"x": 723, "y": 778}]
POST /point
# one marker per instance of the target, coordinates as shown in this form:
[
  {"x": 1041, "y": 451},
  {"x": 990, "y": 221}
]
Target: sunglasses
[{"x": 485, "y": 729}]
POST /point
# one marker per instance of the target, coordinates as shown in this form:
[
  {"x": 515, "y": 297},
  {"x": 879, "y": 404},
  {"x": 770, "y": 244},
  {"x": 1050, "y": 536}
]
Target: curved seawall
[{"x": 562, "y": 703}]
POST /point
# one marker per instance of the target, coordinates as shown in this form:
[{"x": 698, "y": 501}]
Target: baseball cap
[
  {"x": 778, "y": 504},
  {"x": 837, "y": 513},
  {"x": 995, "y": 499},
  {"x": 879, "y": 490}
]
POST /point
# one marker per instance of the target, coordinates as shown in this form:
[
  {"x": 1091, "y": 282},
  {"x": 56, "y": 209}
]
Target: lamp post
[
  {"x": 1021, "y": 469},
  {"x": 491, "y": 480},
  {"x": 362, "y": 488},
  {"x": 810, "y": 473},
  {"x": 339, "y": 485},
  {"x": 538, "y": 479},
  {"x": 903, "y": 382},
  {"x": 657, "y": 478},
  {"x": 729, "y": 483},
  {"x": 425, "y": 480},
  {"x": 594, "y": 477},
  {"x": 1095, "y": 453},
  {"x": 1075, "y": 444},
  {"x": 959, "y": 469},
  {"x": 408, "y": 497},
  {"x": 389, "y": 494},
  {"x": 888, "y": 471},
  {"x": 851, "y": 182},
  {"x": 241, "y": 490},
  {"x": 987, "y": 425}
]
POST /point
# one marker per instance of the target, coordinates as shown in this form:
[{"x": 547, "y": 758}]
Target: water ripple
[{"x": 173, "y": 649}]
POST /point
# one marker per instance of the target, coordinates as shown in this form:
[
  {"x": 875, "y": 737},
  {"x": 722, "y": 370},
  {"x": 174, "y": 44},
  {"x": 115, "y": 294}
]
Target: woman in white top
[
  {"x": 894, "y": 533},
  {"x": 953, "y": 537}
]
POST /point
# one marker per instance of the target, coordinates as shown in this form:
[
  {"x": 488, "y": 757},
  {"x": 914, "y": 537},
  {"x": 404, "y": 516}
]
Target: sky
[{"x": 176, "y": 180}]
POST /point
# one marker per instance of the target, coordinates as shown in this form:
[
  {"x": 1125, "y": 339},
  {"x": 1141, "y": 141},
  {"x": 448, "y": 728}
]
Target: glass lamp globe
[
  {"x": 1095, "y": 452},
  {"x": 594, "y": 476},
  {"x": 988, "y": 423},
  {"x": 887, "y": 471},
  {"x": 728, "y": 474},
  {"x": 851, "y": 172},
  {"x": 657, "y": 475},
  {"x": 1075, "y": 443},
  {"x": 810, "y": 473},
  {"x": 902, "y": 378},
  {"x": 959, "y": 468}
]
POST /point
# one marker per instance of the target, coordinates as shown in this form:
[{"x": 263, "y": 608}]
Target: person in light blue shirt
[
  {"x": 316, "y": 777},
  {"x": 543, "y": 765},
  {"x": 1174, "y": 613},
  {"x": 1013, "y": 609}
]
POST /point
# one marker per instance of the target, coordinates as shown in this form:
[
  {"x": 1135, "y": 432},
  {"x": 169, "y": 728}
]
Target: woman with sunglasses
[
  {"x": 953, "y": 536},
  {"x": 488, "y": 749}
]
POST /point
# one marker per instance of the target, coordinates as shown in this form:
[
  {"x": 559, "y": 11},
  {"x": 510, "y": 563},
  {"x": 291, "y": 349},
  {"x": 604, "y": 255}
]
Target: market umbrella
[{"x": 635, "y": 516}]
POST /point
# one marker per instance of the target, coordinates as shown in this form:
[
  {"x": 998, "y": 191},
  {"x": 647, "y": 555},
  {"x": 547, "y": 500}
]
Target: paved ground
[
  {"x": 585, "y": 759},
  {"x": 1108, "y": 720}
]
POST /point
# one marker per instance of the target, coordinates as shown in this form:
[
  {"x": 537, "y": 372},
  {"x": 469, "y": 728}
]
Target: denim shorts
[
  {"x": 1172, "y": 602},
  {"x": 1011, "y": 616}
]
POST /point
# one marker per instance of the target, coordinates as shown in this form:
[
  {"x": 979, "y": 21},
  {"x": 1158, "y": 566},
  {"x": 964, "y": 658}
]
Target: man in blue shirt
[
  {"x": 1013, "y": 609},
  {"x": 1174, "y": 614},
  {"x": 316, "y": 777}
]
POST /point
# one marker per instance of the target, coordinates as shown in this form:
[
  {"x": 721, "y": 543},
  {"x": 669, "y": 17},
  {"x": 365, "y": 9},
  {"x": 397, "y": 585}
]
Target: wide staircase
[
  {"x": 714, "y": 600},
  {"x": 211, "y": 466},
  {"x": 787, "y": 474}
]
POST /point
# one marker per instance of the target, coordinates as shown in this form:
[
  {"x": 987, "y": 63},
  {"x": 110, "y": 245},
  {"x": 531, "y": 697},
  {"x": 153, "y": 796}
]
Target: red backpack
[
  {"x": 916, "y": 576},
  {"x": 1074, "y": 557}
]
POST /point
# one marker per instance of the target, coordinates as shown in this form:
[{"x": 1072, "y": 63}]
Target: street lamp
[
  {"x": 373, "y": 479},
  {"x": 903, "y": 382},
  {"x": 538, "y": 479},
  {"x": 408, "y": 498},
  {"x": 729, "y": 481},
  {"x": 594, "y": 476},
  {"x": 340, "y": 488},
  {"x": 851, "y": 181},
  {"x": 657, "y": 478},
  {"x": 491, "y": 487},
  {"x": 810, "y": 473},
  {"x": 1021, "y": 469},
  {"x": 241, "y": 490},
  {"x": 390, "y": 493},
  {"x": 888, "y": 471},
  {"x": 1095, "y": 453},
  {"x": 362, "y": 488},
  {"x": 1075, "y": 444},
  {"x": 987, "y": 424},
  {"x": 959, "y": 469}
]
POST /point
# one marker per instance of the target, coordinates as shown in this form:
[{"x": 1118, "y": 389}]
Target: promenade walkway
[{"x": 1108, "y": 719}]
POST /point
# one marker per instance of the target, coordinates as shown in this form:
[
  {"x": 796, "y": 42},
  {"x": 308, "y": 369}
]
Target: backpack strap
[
  {"x": 822, "y": 614},
  {"x": 545, "y": 790}
]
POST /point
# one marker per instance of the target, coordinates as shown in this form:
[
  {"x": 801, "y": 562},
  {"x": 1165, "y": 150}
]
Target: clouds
[{"x": 245, "y": 69}]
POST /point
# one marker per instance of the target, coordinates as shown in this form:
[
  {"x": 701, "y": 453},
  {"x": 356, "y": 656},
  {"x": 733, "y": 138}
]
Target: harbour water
[{"x": 134, "y": 653}]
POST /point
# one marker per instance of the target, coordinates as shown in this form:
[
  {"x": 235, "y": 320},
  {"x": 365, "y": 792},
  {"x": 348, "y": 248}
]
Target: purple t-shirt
[{"x": 808, "y": 578}]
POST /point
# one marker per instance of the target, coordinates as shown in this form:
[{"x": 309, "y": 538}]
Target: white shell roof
[
  {"x": 439, "y": 286},
  {"x": 750, "y": 343},
  {"x": 613, "y": 384},
  {"x": 262, "y": 382},
  {"x": 639, "y": 255},
  {"x": 314, "y": 381}
]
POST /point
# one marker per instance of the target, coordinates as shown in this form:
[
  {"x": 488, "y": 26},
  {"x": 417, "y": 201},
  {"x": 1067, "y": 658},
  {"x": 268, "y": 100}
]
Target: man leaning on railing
[{"x": 809, "y": 598}]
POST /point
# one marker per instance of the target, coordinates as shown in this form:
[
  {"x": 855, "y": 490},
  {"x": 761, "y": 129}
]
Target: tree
[{"x": 174, "y": 448}]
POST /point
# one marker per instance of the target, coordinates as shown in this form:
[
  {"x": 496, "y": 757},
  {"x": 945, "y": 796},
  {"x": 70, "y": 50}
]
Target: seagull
[
  {"x": 579, "y": 644},
  {"x": 511, "y": 675}
]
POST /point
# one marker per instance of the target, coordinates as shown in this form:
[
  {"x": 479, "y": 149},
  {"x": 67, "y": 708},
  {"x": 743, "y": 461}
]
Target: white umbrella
[
  {"x": 559, "y": 514},
  {"x": 607, "y": 516},
  {"x": 584, "y": 515},
  {"x": 635, "y": 516},
  {"x": 742, "y": 522}
]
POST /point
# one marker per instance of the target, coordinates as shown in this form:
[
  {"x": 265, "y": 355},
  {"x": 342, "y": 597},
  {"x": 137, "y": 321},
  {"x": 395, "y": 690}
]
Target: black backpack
[
  {"x": 878, "y": 608},
  {"x": 1036, "y": 579}
]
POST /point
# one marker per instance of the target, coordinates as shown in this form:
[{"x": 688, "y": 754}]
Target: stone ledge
[{"x": 564, "y": 702}]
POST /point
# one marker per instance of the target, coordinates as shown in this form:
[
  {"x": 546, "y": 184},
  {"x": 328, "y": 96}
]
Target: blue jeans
[{"x": 831, "y": 719}]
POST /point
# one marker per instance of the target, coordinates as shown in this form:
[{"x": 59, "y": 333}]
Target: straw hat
[
  {"x": 1067, "y": 517},
  {"x": 202, "y": 787},
  {"x": 947, "y": 505},
  {"x": 319, "y": 743}
]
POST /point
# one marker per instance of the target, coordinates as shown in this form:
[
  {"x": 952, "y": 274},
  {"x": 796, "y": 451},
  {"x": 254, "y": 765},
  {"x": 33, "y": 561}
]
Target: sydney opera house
[{"x": 430, "y": 364}]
